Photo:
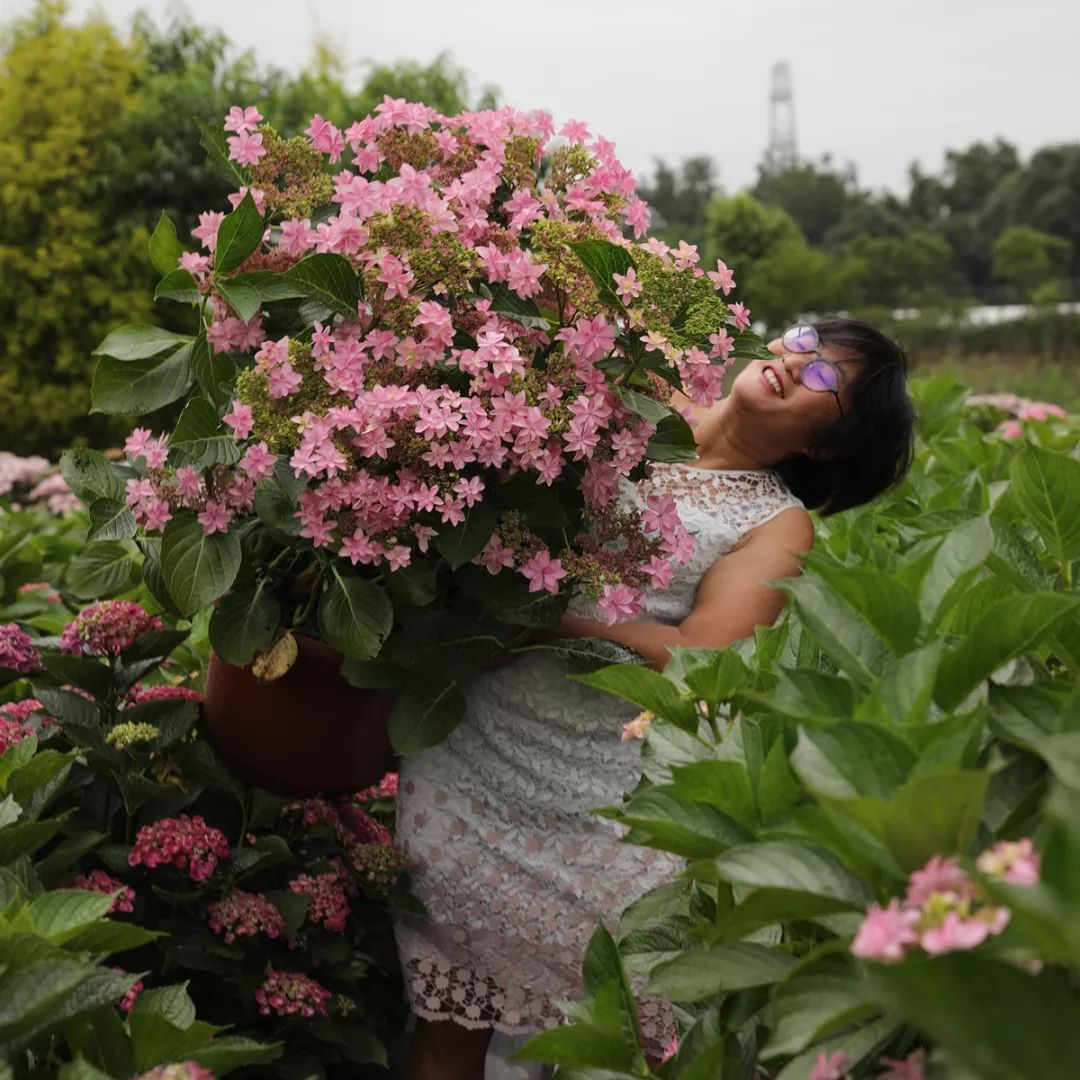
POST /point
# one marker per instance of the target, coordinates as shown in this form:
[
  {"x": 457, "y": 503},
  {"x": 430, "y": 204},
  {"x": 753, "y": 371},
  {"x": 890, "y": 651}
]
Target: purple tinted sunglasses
[{"x": 819, "y": 375}]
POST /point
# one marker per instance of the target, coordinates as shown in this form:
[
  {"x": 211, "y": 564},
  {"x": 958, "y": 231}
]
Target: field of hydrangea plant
[{"x": 878, "y": 800}]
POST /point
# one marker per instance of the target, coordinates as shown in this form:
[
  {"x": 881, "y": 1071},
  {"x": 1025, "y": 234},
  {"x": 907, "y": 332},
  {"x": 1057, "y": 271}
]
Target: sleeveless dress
[{"x": 510, "y": 865}]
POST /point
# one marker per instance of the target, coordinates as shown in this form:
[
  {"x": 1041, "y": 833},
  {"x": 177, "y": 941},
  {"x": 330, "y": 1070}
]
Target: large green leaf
[
  {"x": 243, "y": 299},
  {"x": 201, "y": 439},
  {"x": 1010, "y": 628},
  {"x": 213, "y": 372},
  {"x": 461, "y": 543},
  {"x": 165, "y": 246},
  {"x": 59, "y": 916},
  {"x": 197, "y": 568},
  {"x": 1047, "y": 487},
  {"x": 424, "y": 714},
  {"x": 723, "y": 784},
  {"x": 504, "y": 301},
  {"x": 328, "y": 279},
  {"x": 955, "y": 563},
  {"x": 91, "y": 475},
  {"x": 647, "y": 689},
  {"x": 848, "y": 759},
  {"x": 997, "y": 1020},
  {"x": 602, "y": 260},
  {"x": 102, "y": 569},
  {"x": 857, "y": 1045},
  {"x": 244, "y": 623},
  {"x": 800, "y": 868},
  {"x": 180, "y": 286},
  {"x": 214, "y": 142},
  {"x": 673, "y": 441},
  {"x": 701, "y": 973},
  {"x": 646, "y": 407},
  {"x": 139, "y": 341},
  {"x": 140, "y": 386},
  {"x": 935, "y": 815},
  {"x": 812, "y": 1006},
  {"x": 659, "y": 818},
  {"x": 355, "y": 615},
  {"x": 238, "y": 236},
  {"x": 110, "y": 519}
]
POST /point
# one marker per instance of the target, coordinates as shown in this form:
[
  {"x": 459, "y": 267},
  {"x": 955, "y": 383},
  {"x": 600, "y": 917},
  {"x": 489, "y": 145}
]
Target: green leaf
[
  {"x": 856, "y": 1046},
  {"x": 954, "y": 566},
  {"x": 103, "y": 569},
  {"x": 243, "y": 299},
  {"x": 102, "y": 1039},
  {"x": 153, "y": 645},
  {"x": 777, "y": 789},
  {"x": 810, "y": 1007},
  {"x": 647, "y": 689},
  {"x": 424, "y": 714},
  {"x": 139, "y": 341},
  {"x": 37, "y": 783},
  {"x": 229, "y": 1052},
  {"x": 180, "y": 286},
  {"x": 197, "y": 568},
  {"x": 602, "y": 260},
  {"x": 640, "y": 404},
  {"x": 328, "y": 279},
  {"x": 213, "y": 372},
  {"x": 800, "y": 868},
  {"x": 1047, "y": 487},
  {"x": 355, "y": 615},
  {"x": 461, "y": 543},
  {"x": 1010, "y": 628},
  {"x": 91, "y": 476},
  {"x": 992, "y": 1017},
  {"x": 269, "y": 286},
  {"x": 238, "y": 236},
  {"x": 81, "y": 1070},
  {"x": 244, "y": 623},
  {"x": 105, "y": 938},
  {"x": 213, "y": 139},
  {"x": 848, "y": 759},
  {"x": 26, "y": 838},
  {"x": 723, "y": 784},
  {"x": 935, "y": 815},
  {"x": 59, "y": 916},
  {"x": 110, "y": 519},
  {"x": 659, "y": 818},
  {"x": 201, "y": 439},
  {"x": 701, "y": 973},
  {"x": 165, "y": 246},
  {"x": 140, "y": 386},
  {"x": 66, "y": 706},
  {"x": 673, "y": 441},
  {"x": 504, "y": 301},
  {"x": 171, "y": 1002},
  {"x": 806, "y": 695}
]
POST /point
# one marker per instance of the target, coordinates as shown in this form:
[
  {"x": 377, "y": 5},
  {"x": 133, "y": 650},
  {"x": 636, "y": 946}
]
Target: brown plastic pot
[{"x": 305, "y": 733}]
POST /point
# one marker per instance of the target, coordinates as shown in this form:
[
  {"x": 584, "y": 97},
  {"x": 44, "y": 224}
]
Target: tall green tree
[
  {"x": 68, "y": 273},
  {"x": 1031, "y": 260},
  {"x": 679, "y": 197},
  {"x": 817, "y": 196}
]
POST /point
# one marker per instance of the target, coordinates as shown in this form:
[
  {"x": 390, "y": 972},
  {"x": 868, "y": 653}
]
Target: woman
[{"x": 513, "y": 869}]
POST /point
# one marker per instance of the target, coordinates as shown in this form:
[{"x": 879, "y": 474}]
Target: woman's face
[{"x": 770, "y": 393}]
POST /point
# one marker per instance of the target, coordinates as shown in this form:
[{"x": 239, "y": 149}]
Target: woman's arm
[{"x": 732, "y": 599}]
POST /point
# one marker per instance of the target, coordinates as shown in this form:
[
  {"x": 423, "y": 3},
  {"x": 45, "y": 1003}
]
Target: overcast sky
[{"x": 876, "y": 82}]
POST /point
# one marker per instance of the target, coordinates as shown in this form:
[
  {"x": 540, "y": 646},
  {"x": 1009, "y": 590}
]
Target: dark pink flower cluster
[
  {"x": 944, "y": 909},
  {"x": 185, "y": 1070},
  {"x": 127, "y": 1002},
  {"x": 386, "y": 788},
  {"x": 291, "y": 993},
  {"x": 139, "y": 693},
  {"x": 23, "y": 710},
  {"x": 328, "y": 905},
  {"x": 32, "y": 588},
  {"x": 99, "y": 881},
  {"x": 358, "y": 827},
  {"x": 11, "y": 732},
  {"x": 17, "y": 649},
  {"x": 185, "y": 842},
  {"x": 313, "y": 811},
  {"x": 107, "y": 628},
  {"x": 244, "y": 914}
]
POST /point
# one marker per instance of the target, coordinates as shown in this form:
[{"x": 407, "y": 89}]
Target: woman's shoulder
[{"x": 791, "y": 528}]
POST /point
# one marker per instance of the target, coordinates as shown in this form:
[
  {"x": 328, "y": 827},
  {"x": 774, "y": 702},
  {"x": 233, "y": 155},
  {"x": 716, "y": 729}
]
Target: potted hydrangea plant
[{"x": 427, "y": 350}]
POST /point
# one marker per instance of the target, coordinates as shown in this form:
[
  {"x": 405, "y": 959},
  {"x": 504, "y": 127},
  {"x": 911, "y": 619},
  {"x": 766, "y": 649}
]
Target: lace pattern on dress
[{"x": 511, "y": 866}]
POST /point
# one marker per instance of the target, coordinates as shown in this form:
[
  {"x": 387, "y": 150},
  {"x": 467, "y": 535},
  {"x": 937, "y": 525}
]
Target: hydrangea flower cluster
[
  {"x": 291, "y": 993},
  {"x": 482, "y": 347},
  {"x": 99, "y": 881},
  {"x": 386, "y": 788},
  {"x": 185, "y": 1070},
  {"x": 834, "y": 1067},
  {"x": 11, "y": 732},
  {"x": 127, "y": 734},
  {"x": 22, "y": 711},
  {"x": 944, "y": 909},
  {"x": 107, "y": 628},
  {"x": 185, "y": 842},
  {"x": 328, "y": 905},
  {"x": 127, "y": 1002},
  {"x": 17, "y": 649},
  {"x": 243, "y": 914},
  {"x": 139, "y": 694}
]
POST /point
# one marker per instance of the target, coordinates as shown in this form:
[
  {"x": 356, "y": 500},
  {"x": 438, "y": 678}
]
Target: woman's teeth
[{"x": 773, "y": 381}]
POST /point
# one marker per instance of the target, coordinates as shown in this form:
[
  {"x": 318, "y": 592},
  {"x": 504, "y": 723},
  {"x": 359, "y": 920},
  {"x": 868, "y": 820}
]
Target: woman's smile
[{"x": 773, "y": 380}]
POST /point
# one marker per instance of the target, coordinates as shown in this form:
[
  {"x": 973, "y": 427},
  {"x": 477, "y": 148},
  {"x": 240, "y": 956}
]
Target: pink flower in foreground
[
  {"x": 11, "y": 733},
  {"x": 328, "y": 906},
  {"x": 243, "y": 914},
  {"x": 185, "y": 842},
  {"x": 243, "y": 120},
  {"x": 99, "y": 881},
  {"x": 1017, "y": 863},
  {"x": 285, "y": 993},
  {"x": 1010, "y": 429},
  {"x": 742, "y": 315},
  {"x": 619, "y": 602},
  {"x": 542, "y": 572},
  {"x": 185, "y": 1070},
  {"x": 627, "y": 286},
  {"x": 127, "y": 1002},
  {"x": 636, "y": 728},
  {"x": 246, "y": 149},
  {"x": 215, "y": 518},
  {"x": 386, "y": 788},
  {"x": 937, "y": 876},
  {"x": 107, "y": 628},
  {"x": 829, "y": 1066},
  {"x": 954, "y": 934},
  {"x": 17, "y": 649},
  {"x": 258, "y": 462},
  {"x": 671, "y": 1049},
  {"x": 240, "y": 420},
  {"x": 139, "y": 693},
  {"x": 911, "y": 1068},
  {"x": 722, "y": 278},
  {"x": 1042, "y": 411},
  {"x": 885, "y": 933}
]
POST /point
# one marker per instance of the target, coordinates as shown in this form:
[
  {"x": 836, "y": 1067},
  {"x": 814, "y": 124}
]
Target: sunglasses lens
[
  {"x": 817, "y": 375},
  {"x": 801, "y": 338}
]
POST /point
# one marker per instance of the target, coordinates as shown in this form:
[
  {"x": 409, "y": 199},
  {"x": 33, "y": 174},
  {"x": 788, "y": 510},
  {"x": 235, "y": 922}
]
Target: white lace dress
[{"x": 512, "y": 867}]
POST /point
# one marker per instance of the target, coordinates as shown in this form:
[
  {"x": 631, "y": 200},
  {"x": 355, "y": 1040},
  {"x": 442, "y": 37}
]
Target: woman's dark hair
[{"x": 869, "y": 448}]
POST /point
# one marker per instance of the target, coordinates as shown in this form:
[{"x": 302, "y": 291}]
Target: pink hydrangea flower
[
  {"x": 215, "y": 517},
  {"x": 1017, "y": 863},
  {"x": 829, "y": 1066},
  {"x": 243, "y": 120},
  {"x": 185, "y": 1070},
  {"x": 22, "y": 711},
  {"x": 185, "y": 842},
  {"x": 742, "y": 315},
  {"x": 937, "y": 876},
  {"x": 244, "y": 914},
  {"x": 722, "y": 278},
  {"x": 99, "y": 881},
  {"x": 284, "y": 993},
  {"x": 1010, "y": 429},
  {"x": 542, "y": 572},
  {"x": 11, "y": 733},
  {"x": 127, "y": 1002},
  {"x": 910, "y": 1068},
  {"x": 386, "y": 788},
  {"x": 139, "y": 693},
  {"x": 107, "y": 628},
  {"x": 17, "y": 649},
  {"x": 886, "y": 933},
  {"x": 1042, "y": 411},
  {"x": 328, "y": 906},
  {"x": 954, "y": 933}
]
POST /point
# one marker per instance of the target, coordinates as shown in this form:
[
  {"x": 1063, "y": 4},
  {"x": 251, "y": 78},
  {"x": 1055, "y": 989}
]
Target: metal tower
[{"x": 782, "y": 153}]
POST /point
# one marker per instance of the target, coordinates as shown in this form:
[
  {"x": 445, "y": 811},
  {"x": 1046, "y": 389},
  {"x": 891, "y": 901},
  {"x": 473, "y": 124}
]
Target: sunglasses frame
[{"x": 820, "y": 360}]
